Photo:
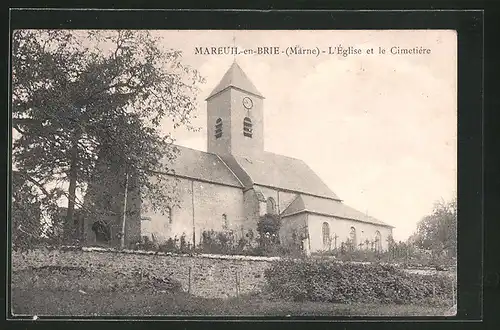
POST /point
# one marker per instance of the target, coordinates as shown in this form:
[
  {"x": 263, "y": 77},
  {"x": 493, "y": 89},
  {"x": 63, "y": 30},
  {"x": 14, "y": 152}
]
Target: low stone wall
[{"x": 210, "y": 277}]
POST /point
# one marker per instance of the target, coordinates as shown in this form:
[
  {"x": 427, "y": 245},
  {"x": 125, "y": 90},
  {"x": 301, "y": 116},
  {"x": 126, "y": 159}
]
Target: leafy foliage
[
  {"x": 438, "y": 232},
  {"x": 26, "y": 213},
  {"x": 326, "y": 281},
  {"x": 268, "y": 228},
  {"x": 401, "y": 253},
  {"x": 31, "y": 209},
  {"x": 219, "y": 242},
  {"x": 87, "y": 106}
]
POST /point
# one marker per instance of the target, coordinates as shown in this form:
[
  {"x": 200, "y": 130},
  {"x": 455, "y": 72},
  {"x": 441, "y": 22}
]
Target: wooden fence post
[
  {"x": 189, "y": 280},
  {"x": 237, "y": 285}
]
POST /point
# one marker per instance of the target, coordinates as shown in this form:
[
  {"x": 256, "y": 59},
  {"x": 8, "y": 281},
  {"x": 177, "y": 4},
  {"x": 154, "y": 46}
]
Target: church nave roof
[
  {"x": 282, "y": 172},
  {"x": 328, "y": 207},
  {"x": 204, "y": 166}
]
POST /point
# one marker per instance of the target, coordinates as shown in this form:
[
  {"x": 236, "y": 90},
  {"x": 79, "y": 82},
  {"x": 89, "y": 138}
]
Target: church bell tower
[{"x": 235, "y": 116}]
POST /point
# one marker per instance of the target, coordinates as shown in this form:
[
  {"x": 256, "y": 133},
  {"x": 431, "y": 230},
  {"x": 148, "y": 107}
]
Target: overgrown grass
[
  {"x": 70, "y": 291},
  {"x": 154, "y": 303}
]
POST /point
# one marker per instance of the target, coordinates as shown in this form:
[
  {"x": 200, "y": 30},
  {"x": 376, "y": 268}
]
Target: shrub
[
  {"x": 327, "y": 281},
  {"x": 404, "y": 255},
  {"x": 222, "y": 242},
  {"x": 169, "y": 245},
  {"x": 183, "y": 245},
  {"x": 268, "y": 228},
  {"x": 145, "y": 244}
]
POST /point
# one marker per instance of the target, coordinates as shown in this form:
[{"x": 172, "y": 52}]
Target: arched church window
[
  {"x": 218, "y": 128},
  {"x": 225, "y": 223},
  {"x": 378, "y": 241},
  {"x": 326, "y": 235},
  {"x": 352, "y": 237},
  {"x": 271, "y": 206},
  {"x": 247, "y": 127}
]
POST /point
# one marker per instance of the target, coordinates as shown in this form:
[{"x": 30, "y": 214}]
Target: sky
[{"x": 379, "y": 129}]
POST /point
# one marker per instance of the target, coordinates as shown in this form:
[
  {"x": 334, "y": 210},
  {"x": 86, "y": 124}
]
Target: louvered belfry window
[
  {"x": 218, "y": 128},
  {"x": 247, "y": 127}
]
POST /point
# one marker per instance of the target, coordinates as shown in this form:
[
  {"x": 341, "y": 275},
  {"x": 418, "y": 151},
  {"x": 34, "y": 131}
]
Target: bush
[
  {"x": 326, "y": 281},
  {"x": 268, "y": 228},
  {"x": 169, "y": 245},
  {"x": 409, "y": 256},
  {"x": 217, "y": 242},
  {"x": 225, "y": 242}
]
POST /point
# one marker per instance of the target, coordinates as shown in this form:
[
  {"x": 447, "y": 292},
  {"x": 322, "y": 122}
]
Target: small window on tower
[
  {"x": 247, "y": 127},
  {"x": 218, "y": 128}
]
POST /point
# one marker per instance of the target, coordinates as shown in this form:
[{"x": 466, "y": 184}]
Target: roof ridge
[
  {"x": 276, "y": 154},
  {"x": 190, "y": 148},
  {"x": 234, "y": 174},
  {"x": 181, "y": 146}
]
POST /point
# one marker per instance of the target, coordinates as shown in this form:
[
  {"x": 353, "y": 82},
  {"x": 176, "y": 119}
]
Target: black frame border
[{"x": 468, "y": 24}]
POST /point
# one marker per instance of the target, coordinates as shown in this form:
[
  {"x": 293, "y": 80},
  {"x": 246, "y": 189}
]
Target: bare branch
[{"x": 32, "y": 180}]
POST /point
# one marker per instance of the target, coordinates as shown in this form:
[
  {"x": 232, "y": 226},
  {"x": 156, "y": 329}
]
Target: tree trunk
[{"x": 73, "y": 176}]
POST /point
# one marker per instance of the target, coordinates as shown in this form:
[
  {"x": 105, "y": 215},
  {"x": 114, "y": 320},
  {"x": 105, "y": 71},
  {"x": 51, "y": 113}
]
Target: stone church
[{"x": 236, "y": 181}]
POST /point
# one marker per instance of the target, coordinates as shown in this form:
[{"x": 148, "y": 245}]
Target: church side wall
[
  {"x": 342, "y": 229},
  {"x": 208, "y": 203}
]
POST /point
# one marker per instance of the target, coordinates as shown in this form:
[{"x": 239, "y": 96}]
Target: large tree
[
  {"x": 438, "y": 231},
  {"x": 26, "y": 212},
  {"x": 84, "y": 101}
]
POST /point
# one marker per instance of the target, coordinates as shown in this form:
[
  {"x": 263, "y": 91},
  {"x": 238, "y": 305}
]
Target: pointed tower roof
[{"x": 235, "y": 77}]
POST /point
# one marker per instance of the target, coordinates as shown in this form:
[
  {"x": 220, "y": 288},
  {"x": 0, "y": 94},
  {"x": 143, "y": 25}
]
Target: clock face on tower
[{"x": 247, "y": 103}]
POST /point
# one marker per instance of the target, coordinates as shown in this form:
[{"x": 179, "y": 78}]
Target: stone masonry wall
[{"x": 210, "y": 277}]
